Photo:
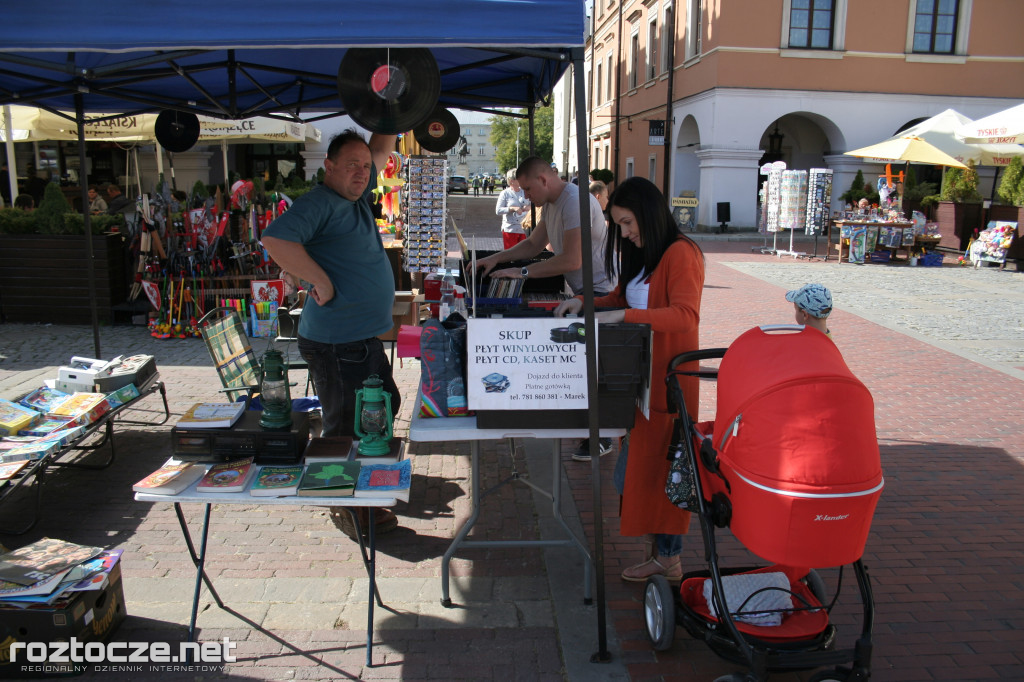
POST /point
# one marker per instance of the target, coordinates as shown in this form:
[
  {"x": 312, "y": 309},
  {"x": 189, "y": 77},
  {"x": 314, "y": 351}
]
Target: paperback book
[
  {"x": 277, "y": 481},
  {"x": 42, "y": 559},
  {"x": 385, "y": 480},
  {"x": 86, "y": 407},
  {"x": 170, "y": 479},
  {"x": 329, "y": 479},
  {"x": 333, "y": 447},
  {"x": 229, "y": 477},
  {"x": 47, "y": 425},
  {"x": 44, "y": 399},
  {"x": 212, "y": 415},
  {"x": 9, "y": 469}
]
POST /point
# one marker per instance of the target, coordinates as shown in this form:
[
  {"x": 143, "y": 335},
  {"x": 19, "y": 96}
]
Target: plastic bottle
[
  {"x": 447, "y": 298},
  {"x": 460, "y": 303}
]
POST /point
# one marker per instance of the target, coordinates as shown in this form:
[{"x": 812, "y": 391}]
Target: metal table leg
[{"x": 200, "y": 563}]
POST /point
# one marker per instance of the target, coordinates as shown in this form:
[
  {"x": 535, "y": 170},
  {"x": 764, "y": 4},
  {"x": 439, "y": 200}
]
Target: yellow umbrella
[{"x": 908, "y": 148}]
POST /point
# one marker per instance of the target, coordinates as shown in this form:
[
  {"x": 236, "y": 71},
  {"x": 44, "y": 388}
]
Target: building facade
[{"x": 803, "y": 81}]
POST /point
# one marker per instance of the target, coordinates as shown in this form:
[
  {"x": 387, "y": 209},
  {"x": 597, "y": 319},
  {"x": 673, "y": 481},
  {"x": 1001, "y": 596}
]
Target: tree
[{"x": 503, "y": 137}]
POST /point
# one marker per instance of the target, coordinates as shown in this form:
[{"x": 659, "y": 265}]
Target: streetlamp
[{"x": 517, "y": 145}]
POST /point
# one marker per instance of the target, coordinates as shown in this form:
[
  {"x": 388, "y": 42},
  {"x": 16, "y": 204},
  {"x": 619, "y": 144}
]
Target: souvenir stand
[{"x": 491, "y": 57}]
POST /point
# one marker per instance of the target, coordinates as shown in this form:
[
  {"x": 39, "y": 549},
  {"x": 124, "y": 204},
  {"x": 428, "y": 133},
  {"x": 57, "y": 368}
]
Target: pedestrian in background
[{"x": 511, "y": 206}]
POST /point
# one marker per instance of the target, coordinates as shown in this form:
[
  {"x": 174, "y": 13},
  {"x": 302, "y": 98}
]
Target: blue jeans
[
  {"x": 338, "y": 371},
  {"x": 667, "y": 545}
]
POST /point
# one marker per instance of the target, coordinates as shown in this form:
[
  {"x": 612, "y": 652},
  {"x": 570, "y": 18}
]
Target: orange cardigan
[{"x": 673, "y": 312}]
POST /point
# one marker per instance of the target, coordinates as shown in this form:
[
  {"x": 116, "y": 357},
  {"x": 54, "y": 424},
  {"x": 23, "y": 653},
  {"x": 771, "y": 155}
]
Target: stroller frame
[{"x": 663, "y": 605}]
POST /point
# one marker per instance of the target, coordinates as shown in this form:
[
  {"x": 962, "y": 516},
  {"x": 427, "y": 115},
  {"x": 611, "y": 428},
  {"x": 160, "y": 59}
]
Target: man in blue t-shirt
[{"x": 329, "y": 238}]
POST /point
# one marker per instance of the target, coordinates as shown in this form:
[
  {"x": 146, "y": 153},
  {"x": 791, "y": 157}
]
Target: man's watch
[{"x": 525, "y": 272}]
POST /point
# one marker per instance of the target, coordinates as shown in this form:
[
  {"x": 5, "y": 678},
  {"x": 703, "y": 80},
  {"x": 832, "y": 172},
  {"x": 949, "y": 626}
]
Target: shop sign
[
  {"x": 656, "y": 133},
  {"x": 526, "y": 364}
]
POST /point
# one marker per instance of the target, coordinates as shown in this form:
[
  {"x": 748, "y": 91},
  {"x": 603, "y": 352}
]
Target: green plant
[
  {"x": 960, "y": 185},
  {"x": 605, "y": 175},
  {"x": 930, "y": 199},
  {"x": 16, "y": 221},
  {"x": 1011, "y": 187},
  {"x": 917, "y": 192},
  {"x": 100, "y": 224},
  {"x": 52, "y": 209},
  {"x": 859, "y": 189}
]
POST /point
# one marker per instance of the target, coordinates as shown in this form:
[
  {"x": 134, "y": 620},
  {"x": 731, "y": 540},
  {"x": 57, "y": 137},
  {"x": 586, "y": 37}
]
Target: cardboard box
[{"x": 90, "y": 616}]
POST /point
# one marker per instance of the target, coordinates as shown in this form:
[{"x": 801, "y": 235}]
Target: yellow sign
[{"x": 689, "y": 202}]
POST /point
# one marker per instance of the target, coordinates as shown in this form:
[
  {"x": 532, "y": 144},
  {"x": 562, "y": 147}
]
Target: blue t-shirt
[{"x": 341, "y": 236}]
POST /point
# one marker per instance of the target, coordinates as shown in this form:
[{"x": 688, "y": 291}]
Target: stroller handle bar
[
  {"x": 694, "y": 355},
  {"x": 782, "y": 327}
]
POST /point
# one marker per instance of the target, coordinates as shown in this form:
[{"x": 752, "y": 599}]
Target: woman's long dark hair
[{"x": 658, "y": 230}]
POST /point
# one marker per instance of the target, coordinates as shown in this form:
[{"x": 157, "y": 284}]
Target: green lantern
[
  {"x": 275, "y": 394},
  {"x": 373, "y": 418}
]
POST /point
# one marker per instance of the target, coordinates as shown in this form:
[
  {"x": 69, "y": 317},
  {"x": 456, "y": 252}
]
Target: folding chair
[{"x": 236, "y": 364}]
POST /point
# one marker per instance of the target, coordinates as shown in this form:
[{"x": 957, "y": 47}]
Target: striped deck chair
[{"x": 232, "y": 355}]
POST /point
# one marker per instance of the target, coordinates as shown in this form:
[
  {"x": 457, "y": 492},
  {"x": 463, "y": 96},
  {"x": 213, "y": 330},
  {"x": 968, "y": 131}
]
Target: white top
[
  {"x": 637, "y": 291},
  {"x": 509, "y": 201}
]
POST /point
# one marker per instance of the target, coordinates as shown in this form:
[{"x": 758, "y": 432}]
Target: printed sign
[
  {"x": 656, "y": 133},
  {"x": 526, "y": 364}
]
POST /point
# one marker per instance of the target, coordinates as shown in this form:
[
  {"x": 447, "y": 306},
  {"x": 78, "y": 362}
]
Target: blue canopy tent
[{"x": 268, "y": 59}]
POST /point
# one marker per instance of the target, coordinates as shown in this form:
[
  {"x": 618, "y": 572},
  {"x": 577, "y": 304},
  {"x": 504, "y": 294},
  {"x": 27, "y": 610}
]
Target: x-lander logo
[{"x": 57, "y": 657}]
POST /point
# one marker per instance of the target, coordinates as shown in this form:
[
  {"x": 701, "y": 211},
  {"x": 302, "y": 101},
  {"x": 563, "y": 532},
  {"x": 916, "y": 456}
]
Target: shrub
[
  {"x": 51, "y": 212},
  {"x": 17, "y": 221},
  {"x": 1011, "y": 187},
  {"x": 960, "y": 185}
]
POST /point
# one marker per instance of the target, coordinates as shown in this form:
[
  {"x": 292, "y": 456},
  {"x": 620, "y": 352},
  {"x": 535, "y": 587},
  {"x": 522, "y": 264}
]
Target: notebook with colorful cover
[
  {"x": 171, "y": 478},
  {"x": 229, "y": 477},
  {"x": 329, "y": 479},
  {"x": 385, "y": 480}
]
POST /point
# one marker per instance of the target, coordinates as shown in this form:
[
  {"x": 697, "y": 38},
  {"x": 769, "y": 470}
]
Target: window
[
  {"x": 481, "y": 148},
  {"x": 629, "y": 168},
  {"x": 634, "y": 60},
  {"x": 935, "y": 26},
  {"x": 693, "y": 29},
  {"x": 666, "y": 33},
  {"x": 652, "y": 48},
  {"x": 810, "y": 24},
  {"x": 652, "y": 168},
  {"x": 598, "y": 81},
  {"x": 611, "y": 71}
]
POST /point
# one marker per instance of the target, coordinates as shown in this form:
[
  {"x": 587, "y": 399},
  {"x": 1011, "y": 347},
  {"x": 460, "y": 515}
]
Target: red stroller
[{"x": 791, "y": 465}]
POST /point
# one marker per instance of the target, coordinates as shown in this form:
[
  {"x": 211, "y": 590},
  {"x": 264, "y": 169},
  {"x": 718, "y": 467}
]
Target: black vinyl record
[
  {"x": 389, "y": 91},
  {"x": 177, "y": 131},
  {"x": 439, "y": 132}
]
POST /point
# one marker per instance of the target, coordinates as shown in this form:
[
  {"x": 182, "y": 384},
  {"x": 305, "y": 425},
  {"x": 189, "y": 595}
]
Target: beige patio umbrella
[
  {"x": 1003, "y": 127},
  {"x": 909, "y": 148},
  {"x": 940, "y": 131}
]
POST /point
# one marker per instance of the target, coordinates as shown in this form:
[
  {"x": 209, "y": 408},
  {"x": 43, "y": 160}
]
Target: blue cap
[{"x": 814, "y": 299}]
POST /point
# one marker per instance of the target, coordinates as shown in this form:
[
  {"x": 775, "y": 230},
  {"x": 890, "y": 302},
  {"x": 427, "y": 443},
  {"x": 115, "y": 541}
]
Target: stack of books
[{"x": 48, "y": 570}]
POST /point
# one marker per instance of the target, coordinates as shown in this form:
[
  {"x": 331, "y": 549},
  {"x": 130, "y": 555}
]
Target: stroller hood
[{"x": 795, "y": 435}]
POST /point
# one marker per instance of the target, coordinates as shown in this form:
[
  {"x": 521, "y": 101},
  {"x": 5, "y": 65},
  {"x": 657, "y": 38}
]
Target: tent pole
[
  {"x": 224, "y": 154},
  {"x": 12, "y": 171},
  {"x": 83, "y": 181},
  {"x": 582, "y": 144},
  {"x": 159, "y": 159}
]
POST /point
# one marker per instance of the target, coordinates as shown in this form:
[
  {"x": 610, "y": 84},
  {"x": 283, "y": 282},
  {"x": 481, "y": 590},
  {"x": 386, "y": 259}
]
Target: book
[
  {"x": 329, "y": 479},
  {"x": 47, "y": 425},
  {"x": 32, "y": 563},
  {"x": 120, "y": 396},
  {"x": 229, "y": 477},
  {"x": 15, "y": 417},
  {"x": 212, "y": 415},
  {"x": 9, "y": 469},
  {"x": 333, "y": 447},
  {"x": 44, "y": 399},
  {"x": 32, "y": 451},
  {"x": 171, "y": 478},
  {"x": 86, "y": 407},
  {"x": 384, "y": 480},
  {"x": 8, "y": 443},
  {"x": 277, "y": 481}
]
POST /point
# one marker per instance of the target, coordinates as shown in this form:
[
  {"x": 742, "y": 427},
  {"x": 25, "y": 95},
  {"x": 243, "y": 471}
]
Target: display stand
[{"x": 447, "y": 429}]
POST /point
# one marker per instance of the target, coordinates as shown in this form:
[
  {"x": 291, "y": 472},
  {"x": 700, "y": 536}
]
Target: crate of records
[{"x": 425, "y": 206}]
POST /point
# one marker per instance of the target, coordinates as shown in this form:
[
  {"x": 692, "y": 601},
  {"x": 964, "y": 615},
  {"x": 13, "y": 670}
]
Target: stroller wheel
[{"x": 659, "y": 612}]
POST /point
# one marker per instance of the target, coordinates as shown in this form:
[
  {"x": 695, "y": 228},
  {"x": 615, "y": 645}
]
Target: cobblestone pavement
[{"x": 945, "y": 552}]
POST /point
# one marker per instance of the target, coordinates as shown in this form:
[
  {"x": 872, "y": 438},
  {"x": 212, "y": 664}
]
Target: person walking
[
  {"x": 660, "y": 281},
  {"x": 511, "y": 206}
]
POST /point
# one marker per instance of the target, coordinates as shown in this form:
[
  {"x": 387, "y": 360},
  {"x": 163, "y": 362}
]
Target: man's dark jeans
[{"x": 338, "y": 371}]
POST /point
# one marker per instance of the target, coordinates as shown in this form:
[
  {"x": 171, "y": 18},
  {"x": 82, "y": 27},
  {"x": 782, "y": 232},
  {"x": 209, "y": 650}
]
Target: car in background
[{"x": 458, "y": 183}]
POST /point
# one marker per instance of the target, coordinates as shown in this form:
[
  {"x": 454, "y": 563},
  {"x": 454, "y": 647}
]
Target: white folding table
[
  {"x": 190, "y": 495},
  {"x": 445, "y": 429}
]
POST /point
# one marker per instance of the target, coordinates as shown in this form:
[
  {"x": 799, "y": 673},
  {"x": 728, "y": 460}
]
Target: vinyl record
[
  {"x": 177, "y": 131},
  {"x": 388, "y": 91},
  {"x": 439, "y": 132}
]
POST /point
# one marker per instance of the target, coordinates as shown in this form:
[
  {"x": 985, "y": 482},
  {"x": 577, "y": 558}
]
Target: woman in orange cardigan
[{"x": 661, "y": 278}]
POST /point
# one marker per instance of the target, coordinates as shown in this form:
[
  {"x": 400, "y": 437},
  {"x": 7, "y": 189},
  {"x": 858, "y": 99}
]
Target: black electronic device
[
  {"x": 137, "y": 369},
  {"x": 246, "y": 438},
  {"x": 389, "y": 90},
  {"x": 439, "y": 132},
  {"x": 176, "y": 131},
  {"x": 723, "y": 212}
]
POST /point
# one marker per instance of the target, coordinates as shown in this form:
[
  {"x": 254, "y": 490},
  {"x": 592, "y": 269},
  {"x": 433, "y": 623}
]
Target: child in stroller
[{"x": 790, "y": 464}]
